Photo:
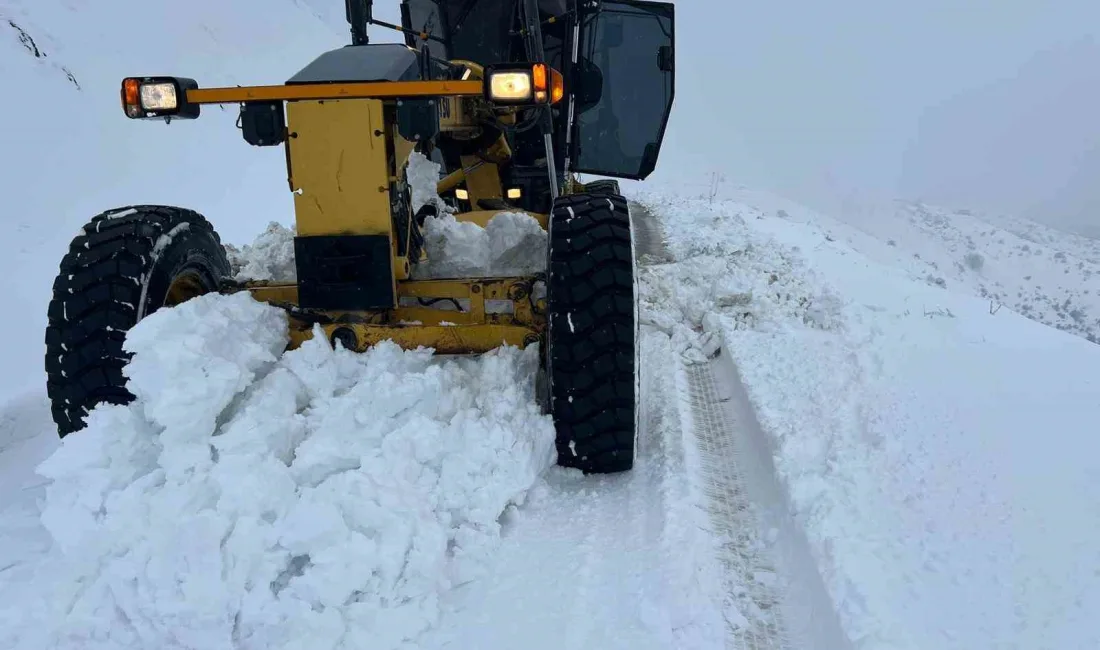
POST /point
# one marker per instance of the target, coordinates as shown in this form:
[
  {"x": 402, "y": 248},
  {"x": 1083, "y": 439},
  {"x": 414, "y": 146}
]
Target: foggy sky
[{"x": 973, "y": 103}]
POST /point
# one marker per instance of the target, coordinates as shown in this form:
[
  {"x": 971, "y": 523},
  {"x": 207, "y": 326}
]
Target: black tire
[
  {"x": 602, "y": 186},
  {"x": 113, "y": 276},
  {"x": 592, "y": 333}
]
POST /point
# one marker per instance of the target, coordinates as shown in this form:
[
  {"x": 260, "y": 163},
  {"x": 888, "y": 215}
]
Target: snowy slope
[
  {"x": 1050, "y": 276},
  {"x": 68, "y": 153},
  {"x": 941, "y": 460}
]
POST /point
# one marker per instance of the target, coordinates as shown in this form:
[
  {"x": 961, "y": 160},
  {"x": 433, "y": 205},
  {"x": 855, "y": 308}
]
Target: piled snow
[
  {"x": 423, "y": 175},
  {"x": 253, "y": 499},
  {"x": 512, "y": 243},
  {"x": 270, "y": 257},
  {"x": 939, "y": 458},
  {"x": 721, "y": 269}
]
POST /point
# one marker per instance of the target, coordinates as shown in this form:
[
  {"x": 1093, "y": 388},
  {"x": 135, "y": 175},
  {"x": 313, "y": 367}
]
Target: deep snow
[
  {"x": 927, "y": 464},
  {"x": 258, "y": 500},
  {"x": 1049, "y": 276},
  {"x": 387, "y": 499}
]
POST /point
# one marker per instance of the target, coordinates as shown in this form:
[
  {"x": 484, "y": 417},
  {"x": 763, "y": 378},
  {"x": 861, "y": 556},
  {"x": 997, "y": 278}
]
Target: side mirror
[{"x": 588, "y": 85}]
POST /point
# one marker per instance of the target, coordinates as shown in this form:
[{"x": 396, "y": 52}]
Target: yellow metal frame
[
  {"x": 367, "y": 90},
  {"x": 443, "y": 339},
  {"x": 470, "y": 331},
  {"x": 339, "y": 171}
]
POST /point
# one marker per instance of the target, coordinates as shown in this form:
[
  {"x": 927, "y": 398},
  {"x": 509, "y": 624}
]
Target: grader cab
[{"x": 512, "y": 99}]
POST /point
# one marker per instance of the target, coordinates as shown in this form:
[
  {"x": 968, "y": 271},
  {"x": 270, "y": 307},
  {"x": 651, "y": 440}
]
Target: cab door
[{"x": 623, "y": 87}]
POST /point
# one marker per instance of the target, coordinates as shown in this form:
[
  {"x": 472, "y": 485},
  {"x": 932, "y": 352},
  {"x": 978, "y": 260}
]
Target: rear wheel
[
  {"x": 592, "y": 333},
  {"x": 124, "y": 265}
]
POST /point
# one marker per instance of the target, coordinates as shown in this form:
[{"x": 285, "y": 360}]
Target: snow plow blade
[{"x": 462, "y": 316}]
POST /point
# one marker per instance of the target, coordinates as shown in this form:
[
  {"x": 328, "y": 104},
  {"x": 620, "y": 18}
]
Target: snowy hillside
[
  {"x": 68, "y": 153},
  {"x": 1048, "y": 275}
]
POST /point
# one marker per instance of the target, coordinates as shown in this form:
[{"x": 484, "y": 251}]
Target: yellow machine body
[{"x": 344, "y": 155}]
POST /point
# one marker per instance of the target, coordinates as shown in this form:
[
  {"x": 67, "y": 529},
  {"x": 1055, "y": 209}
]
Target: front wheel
[
  {"x": 592, "y": 333},
  {"x": 602, "y": 186},
  {"x": 124, "y": 265}
]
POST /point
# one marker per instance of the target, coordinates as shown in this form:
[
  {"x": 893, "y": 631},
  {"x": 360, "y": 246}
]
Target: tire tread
[
  {"x": 95, "y": 301},
  {"x": 592, "y": 330}
]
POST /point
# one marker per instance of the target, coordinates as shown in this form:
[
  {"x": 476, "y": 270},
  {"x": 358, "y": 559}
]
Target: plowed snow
[{"x": 248, "y": 500}]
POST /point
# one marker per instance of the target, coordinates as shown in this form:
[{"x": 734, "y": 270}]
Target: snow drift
[{"x": 251, "y": 499}]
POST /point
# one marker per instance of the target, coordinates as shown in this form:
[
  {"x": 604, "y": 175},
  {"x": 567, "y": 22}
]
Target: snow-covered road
[
  {"x": 937, "y": 453},
  {"x": 566, "y": 561},
  {"x": 667, "y": 556},
  {"x": 832, "y": 455},
  {"x": 672, "y": 555}
]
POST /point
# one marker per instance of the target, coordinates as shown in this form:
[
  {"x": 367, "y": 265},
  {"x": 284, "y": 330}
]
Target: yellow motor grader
[{"x": 512, "y": 99}]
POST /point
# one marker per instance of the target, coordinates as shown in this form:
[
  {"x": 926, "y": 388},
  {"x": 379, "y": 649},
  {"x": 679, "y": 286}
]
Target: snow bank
[
  {"x": 722, "y": 270},
  {"x": 253, "y": 499},
  {"x": 940, "y": 458},
  {"x": 270, "y": 257}
]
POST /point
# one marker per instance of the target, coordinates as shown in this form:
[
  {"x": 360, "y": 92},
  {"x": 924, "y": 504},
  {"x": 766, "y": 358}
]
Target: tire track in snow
[
  {"x": 754, "y": 598},
  {"x": 802, "y": 603}
]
